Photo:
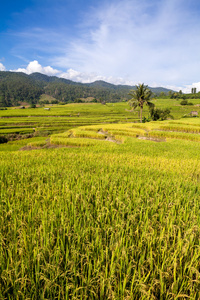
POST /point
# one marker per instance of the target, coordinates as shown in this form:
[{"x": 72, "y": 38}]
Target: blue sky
[{"x": 123, "y": 42}]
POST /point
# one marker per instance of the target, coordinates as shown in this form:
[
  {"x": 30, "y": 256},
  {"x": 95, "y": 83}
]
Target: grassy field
[
  {"x": 99, "y": 210},
  {"x": 62, "y": 118}
]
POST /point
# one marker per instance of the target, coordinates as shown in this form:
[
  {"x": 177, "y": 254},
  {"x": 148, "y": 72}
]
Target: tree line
[
  {"x": 180, "y": 95},
  {"x": 20, "y": 87}
]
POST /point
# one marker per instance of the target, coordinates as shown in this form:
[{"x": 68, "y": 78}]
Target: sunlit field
[{"x": 100, "y": 208}]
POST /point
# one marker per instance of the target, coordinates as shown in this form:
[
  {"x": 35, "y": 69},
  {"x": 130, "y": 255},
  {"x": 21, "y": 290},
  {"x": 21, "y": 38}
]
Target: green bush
[
  {"x": 185, "y": 102},
  {"x": 33, "y": 105},
  {"x": 3, "y": 139},
  {"x": 160, "y": 114}
]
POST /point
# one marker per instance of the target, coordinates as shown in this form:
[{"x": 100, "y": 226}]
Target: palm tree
[{"x": 140, "y": 96}]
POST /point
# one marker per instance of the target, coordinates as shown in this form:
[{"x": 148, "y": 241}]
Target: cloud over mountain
[
  {"x": 34, "y": 66},
  {"x": 2, "y": 67},
  {"x": 156, "y": 42}
]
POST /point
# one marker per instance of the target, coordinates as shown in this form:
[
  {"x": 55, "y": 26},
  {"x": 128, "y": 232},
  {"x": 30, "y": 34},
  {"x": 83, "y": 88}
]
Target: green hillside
[{"x": 16, "y": 88}]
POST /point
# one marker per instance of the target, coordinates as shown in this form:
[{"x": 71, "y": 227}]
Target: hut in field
[
  {"x": 194, "y": 113},
  {"x": 47, "y": 108}
]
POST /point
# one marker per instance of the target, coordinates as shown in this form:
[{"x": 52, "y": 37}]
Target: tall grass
[
  {"x": 107, "y": 222},
  {"x": 175, "y": 135},
  {"x": 181, "y": 128}
]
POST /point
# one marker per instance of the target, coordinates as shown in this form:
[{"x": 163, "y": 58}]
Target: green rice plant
[
  {"x": 148, "y": 126},
  {"x": 18, "y": 144},
  {"x": 118, "y": 138},
  {"x": 128, "y": 132},
  {"x": 65, "y": 134},
  {"x": 80, "y": 142},
  {"x": 37, "y": 144},
  {"x": 111, "y": 221},
  {"x": 180, "y": 128},
  {"x": 92, "y": 128},
  {"x": 188, "y": 121},
  {"x": 101, "y": 223},
  {"x": 16, "y": 126},
  {"x": 174, "y": 135},
  {"x": 16, "y": 130},
  {"x": 123, "y": 133},
  {"x": 116, "y": 126},
  {"x": 104, "y": 132},
  {"x": 87, "y": 134}
]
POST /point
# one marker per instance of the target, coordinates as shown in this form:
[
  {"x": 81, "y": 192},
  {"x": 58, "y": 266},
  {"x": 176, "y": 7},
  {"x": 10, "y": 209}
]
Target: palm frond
[{"x": 140, "y": 96}]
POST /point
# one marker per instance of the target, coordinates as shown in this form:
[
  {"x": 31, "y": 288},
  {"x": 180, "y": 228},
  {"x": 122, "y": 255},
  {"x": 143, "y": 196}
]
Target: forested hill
[{"x": 19, "y": 87}]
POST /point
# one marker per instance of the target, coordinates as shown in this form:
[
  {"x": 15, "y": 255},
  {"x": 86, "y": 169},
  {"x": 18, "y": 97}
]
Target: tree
[
  {"x": 170, "y": 94},
  {"x": 160, "y": 114},
  {"x": 162, "y": 94},
  {"x": 140, "y": 96},
  {"x": 194, "y": 90}
]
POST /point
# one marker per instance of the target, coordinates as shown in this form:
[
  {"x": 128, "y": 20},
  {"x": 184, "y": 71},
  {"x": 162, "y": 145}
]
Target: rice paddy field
[{"x": 101, "y": 207}]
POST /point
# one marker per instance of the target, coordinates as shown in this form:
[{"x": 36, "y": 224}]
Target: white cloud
[
  {"x": 187, "y": 88},
  {"x": 91, "y": 77},
  {"x": 140, "y": 40},
  {"x": 84, "y": 77},
  {"x": 123, "y": 42},
  {"x": 34, "y": 66},
  {"x": 2, "y": 68},
  {"x": 70, "y": 74}
]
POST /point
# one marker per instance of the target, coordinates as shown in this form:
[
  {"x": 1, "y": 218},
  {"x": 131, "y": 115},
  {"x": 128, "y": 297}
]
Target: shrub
[
  {"x": 185, "y": 102},
  {"x": 33, "y": 105},
  {"x": 3, "y": 139},
  {"x": 78, "y": 101},
  {"x": 160, "y": 114}
]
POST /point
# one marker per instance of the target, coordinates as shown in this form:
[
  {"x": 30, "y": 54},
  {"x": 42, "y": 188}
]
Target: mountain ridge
[
  {"x": 96, "y": 83},
  {"x": 16, "y": 87}
]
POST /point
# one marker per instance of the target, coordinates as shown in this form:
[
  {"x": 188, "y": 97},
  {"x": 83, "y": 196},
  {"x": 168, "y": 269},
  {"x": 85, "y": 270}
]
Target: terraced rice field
[
  {"x": 109, "y": 214},
  {"x": 160, "y": 131}
]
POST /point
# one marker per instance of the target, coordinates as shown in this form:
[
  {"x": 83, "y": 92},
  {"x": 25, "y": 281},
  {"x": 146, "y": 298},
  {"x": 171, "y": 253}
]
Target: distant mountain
[
  {"x": 18, "y": 87},
  {"x": 96, "y": 84},
  {"x": 103, "y": 84},
  {"x": 158, "y": 90},
  {"x": 45, "y": 78}
]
